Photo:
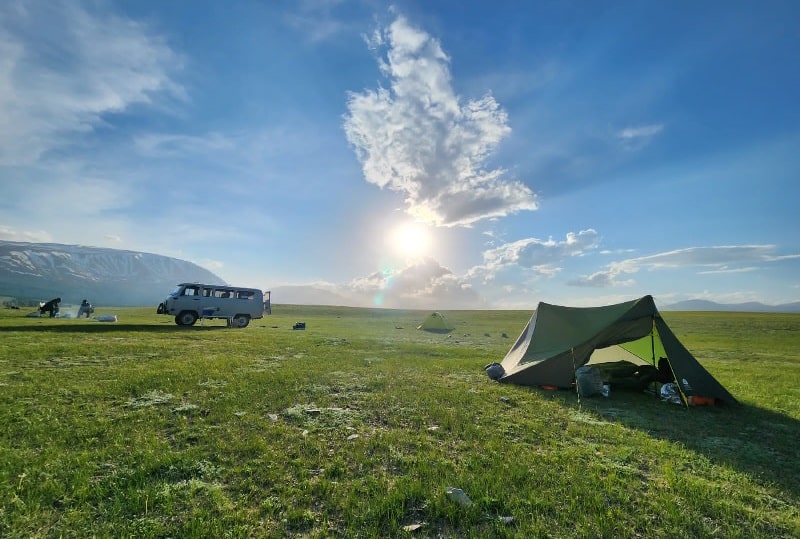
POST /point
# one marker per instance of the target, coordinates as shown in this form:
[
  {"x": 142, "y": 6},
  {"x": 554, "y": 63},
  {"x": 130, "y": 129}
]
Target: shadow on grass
[
  {"x": 759, "y": 442},
  {"x": 113, "y": 327}
]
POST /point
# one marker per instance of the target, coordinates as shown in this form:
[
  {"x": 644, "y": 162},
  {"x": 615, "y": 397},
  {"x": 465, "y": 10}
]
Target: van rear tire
[
  {"x": 186, "y": 318},
  {"x": 241, "y": 321}
]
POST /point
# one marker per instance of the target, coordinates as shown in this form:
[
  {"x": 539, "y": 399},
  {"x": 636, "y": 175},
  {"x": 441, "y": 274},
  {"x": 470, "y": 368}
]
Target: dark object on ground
[
  {"x": 627, "y": 375},
  {"x": 299, "y": 325},
  {"x": 50, "y": 307},
  {"x": 589, "y": 380},
  {"x": 494, "y": 370}
]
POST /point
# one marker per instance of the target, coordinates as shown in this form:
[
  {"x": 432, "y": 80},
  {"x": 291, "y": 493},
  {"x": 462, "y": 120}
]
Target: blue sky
[{"x": 415, "y": 154}]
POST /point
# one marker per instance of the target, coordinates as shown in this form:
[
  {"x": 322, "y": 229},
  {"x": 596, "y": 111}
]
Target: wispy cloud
[
  {"x": 169, "y": 145},
  {"x": 715, "y": 259},
  {"x": 64, "y": 65},
  {"x": 728, "y": 270},
  {"x": 634, "y": 138},
  {"x": 640, "y": 132},
  {"x": 416, "y": 137}
]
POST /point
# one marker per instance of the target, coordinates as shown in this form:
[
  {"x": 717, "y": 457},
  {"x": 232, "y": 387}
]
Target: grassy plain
[{"x": 357, "y": 426}]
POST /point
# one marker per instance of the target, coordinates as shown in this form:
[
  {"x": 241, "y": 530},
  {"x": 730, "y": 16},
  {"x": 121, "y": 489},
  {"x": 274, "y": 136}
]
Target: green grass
[{"x": 357, "y": 426}]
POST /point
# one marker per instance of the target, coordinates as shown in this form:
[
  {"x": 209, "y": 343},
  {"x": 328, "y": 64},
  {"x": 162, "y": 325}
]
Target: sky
[{"x": 415, "y": 154}]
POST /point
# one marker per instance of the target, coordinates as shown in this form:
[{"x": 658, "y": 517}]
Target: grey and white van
[{"x": 191, "y": 301}]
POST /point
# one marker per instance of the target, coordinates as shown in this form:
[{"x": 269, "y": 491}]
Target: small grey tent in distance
[
  {"x": 436, "y": 322},
  {"x": 558, "y": 340}
]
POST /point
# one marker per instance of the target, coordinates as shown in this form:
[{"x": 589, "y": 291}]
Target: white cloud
[
  {"x": 417, "y": 138},
  {"x": 9, "y": 233},
  {"x": 541, "y": 256},
  {"x": 602, "y": 279},
  {"x": 424, "y": 285},
  {"x": 715, "y": 259},
  {"x": 64, "y": 66}
]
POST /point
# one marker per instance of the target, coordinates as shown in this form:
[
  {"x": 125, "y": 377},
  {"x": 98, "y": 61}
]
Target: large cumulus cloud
[{"x": 416, "y": 137}]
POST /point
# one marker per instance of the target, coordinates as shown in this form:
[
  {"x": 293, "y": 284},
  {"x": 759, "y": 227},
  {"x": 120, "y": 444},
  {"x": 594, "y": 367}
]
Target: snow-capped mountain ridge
[{"x": 118, "y": 277}]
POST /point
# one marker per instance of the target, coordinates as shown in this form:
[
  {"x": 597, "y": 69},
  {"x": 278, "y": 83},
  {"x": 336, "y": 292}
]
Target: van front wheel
[
  {"x": 241, "y": 321},
  {"x": 186, "y": 318}
]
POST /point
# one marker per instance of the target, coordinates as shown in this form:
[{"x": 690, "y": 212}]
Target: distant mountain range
[
  {"x": 307, "y": 295},
  {"x": 42, "y": 271},
  {"x": 751, "y": 306},
  {"x": 32, "y": 272}
]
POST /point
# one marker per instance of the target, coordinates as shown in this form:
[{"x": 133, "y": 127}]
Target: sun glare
[{"x": 410, "y": 240}]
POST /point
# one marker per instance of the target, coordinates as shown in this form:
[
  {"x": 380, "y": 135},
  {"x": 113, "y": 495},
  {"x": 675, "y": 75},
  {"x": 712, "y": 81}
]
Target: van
[{"x": 191, "y": 301}]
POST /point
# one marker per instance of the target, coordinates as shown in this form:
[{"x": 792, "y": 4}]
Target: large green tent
[{"x": 558, "y": 340}]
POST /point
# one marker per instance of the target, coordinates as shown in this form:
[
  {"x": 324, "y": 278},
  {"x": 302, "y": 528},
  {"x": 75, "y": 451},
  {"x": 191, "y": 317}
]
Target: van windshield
[{"x": 175, "y": 293}]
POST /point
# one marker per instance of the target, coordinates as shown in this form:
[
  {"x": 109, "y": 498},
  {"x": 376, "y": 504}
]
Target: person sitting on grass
[
  {"x": 85, "y": 308},
  {"x": 50, "y": 307}
]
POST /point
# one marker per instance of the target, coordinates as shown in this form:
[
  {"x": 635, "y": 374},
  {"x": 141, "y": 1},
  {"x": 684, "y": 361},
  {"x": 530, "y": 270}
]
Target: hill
[
  {"x": 751, "y": 306},
  {"x": 41, "y": 271}
]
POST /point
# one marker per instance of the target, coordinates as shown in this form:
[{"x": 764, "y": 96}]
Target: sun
[{"x": 410, "y": 240}]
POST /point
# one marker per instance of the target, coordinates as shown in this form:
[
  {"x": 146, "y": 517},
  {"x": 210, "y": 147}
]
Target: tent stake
[
  {"x": 653, "y": 341},
  {"x": 575, "y": 376}
]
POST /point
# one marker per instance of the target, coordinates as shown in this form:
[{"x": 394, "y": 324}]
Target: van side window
[
  {"x": 245, "y": 295},
  {"x": 207, "y": 292},
  {"x": 222, "y": 293},
  {"x": 191, "y": 291}
]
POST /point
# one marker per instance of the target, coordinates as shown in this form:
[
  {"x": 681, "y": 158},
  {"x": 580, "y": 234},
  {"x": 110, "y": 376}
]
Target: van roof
[{"x": 233, "y": 287}]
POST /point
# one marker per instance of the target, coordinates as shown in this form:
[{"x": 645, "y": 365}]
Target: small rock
[{"x": 459, "y": 496}]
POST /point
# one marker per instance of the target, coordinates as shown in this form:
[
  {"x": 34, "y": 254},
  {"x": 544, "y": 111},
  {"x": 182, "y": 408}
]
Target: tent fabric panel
[
  {"x": 648, "y": 348},
  {"x": 693, "y": 378},
  {"x": 514, "y": 356},
  {"x": 557, "y": 371},
  {"x": 554, "y": 329},
  {"x": 623, "y": 331},
  {"x": 561, "y": 328},
  {"x": 616, "y": 353}
]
